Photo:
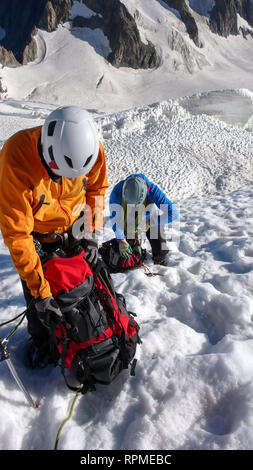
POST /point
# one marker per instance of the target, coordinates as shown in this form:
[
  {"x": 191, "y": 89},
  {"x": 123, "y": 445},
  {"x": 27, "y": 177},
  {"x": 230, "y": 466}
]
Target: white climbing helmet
[{"x": 70, "y": 141}]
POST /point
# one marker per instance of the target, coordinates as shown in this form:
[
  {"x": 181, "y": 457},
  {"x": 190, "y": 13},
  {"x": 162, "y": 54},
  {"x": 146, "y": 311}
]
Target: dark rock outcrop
[
  {"x": 7, "y": 58},
  {"x": 245, "y": 10},
  {"x": 121, "y": 30},
  {"x": 20, "y": 19},
  {"x": 223, "y": 17},
  {"x": 54, "y": 13},
  {"x": 187, "y": 18},
  {"x": 2, "y": 89},
  {"x": 20, "y": 22}
]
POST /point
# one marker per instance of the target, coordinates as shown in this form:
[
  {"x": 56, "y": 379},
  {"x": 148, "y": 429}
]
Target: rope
[
  {"x": 23, "y": 314},
  {"x": 19, "y": 315},
  {"x": 15, "y": 328},
  {"x": 13, "y": 319},
  {"x": 66, "y": 419}
]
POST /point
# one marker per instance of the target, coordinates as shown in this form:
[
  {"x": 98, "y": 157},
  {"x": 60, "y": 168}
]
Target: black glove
[
  {"x": 48, "y": 312},
  {"x": 91, "y": 251}
]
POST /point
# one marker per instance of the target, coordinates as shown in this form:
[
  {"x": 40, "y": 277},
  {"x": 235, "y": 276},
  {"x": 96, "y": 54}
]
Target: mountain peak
[{"x": 19, "y": 26}]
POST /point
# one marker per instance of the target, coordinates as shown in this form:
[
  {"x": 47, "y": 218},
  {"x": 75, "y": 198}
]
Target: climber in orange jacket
[{"x": 48, "y": 174}]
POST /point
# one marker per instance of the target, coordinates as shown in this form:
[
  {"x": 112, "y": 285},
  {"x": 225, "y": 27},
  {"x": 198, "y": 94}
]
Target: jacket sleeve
[
  {"x": 16, "y": 223},
  {"x": 97, "y": 185},
  {"x": 156, "y": 196}
]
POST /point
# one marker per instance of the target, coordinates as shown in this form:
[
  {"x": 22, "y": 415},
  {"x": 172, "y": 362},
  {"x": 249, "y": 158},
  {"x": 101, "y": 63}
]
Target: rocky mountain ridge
[
  {"x": 18, "y": 26},
  {"x": 120, "y": 27}
]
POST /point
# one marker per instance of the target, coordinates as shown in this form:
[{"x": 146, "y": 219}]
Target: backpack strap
[
  {"x": 97, "y": 269},
  {"x": 87, "y": 385}
]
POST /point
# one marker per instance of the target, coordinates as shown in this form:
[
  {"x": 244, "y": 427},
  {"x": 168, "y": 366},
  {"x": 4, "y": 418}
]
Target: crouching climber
[{"x": 139, "y": 200}]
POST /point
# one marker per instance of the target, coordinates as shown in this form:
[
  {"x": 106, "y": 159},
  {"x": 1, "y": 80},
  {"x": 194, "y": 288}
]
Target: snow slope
[
  {"x": 71, "y": 67},
  {"x": 193, "y": 384}
]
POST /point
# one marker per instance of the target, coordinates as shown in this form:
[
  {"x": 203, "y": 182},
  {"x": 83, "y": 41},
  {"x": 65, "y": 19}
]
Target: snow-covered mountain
[{"x": 89, "y": 59}]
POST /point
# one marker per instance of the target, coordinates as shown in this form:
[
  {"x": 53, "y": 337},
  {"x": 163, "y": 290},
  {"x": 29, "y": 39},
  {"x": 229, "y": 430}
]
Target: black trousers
[
  {"x": 34, "y": 326},
  {"x": 156, "y": 239},
  {"x": 158, "y": 250}
]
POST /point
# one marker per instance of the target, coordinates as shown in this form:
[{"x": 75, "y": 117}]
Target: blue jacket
[{"x": 154, "y": 196}]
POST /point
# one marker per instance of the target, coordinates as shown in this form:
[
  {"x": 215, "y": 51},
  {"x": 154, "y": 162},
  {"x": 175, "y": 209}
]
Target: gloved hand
[
  {"x": 125, "y": 249},
  {"x": 48, "y": 312},
  {"x": 91, "y": 251}
]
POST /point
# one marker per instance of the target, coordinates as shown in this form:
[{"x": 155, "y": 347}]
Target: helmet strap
[{"x": 51, "y": 175}]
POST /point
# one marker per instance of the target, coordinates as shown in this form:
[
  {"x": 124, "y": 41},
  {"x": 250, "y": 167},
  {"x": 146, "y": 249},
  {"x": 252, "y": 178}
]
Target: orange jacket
[{"x": 31, "y": 201}]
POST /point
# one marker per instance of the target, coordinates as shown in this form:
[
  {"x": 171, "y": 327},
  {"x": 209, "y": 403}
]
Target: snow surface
[
  {"x": 71, "y": 67},
  {"x": 193, "y": 385}
]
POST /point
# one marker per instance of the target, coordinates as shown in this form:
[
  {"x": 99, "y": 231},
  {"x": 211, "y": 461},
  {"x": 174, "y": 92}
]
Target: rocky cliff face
[
  {"x": 18, "y": 45},
  {"x": 20, "y": 20},
  {"x": 223, "y": 17},
  {"x": 187, "y": 18},
  {"x": 121, "y": 30},
  {"x": 54, "y": 12}
]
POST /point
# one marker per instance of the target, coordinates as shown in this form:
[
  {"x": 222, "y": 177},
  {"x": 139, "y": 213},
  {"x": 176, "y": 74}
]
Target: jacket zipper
[
  {"x": 62, "y": 208},
  {"x": 40, "y": 203}
]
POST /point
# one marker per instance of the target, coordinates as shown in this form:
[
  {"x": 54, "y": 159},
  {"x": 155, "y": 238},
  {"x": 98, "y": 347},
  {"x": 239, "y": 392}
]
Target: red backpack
[
  {"x": 110, "y": 254},
  {"x": 99, "y": 336}
]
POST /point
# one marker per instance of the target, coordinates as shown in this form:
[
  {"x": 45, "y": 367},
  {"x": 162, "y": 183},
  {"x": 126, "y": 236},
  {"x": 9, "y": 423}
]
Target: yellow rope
[{"x": 66, "y": 419}]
